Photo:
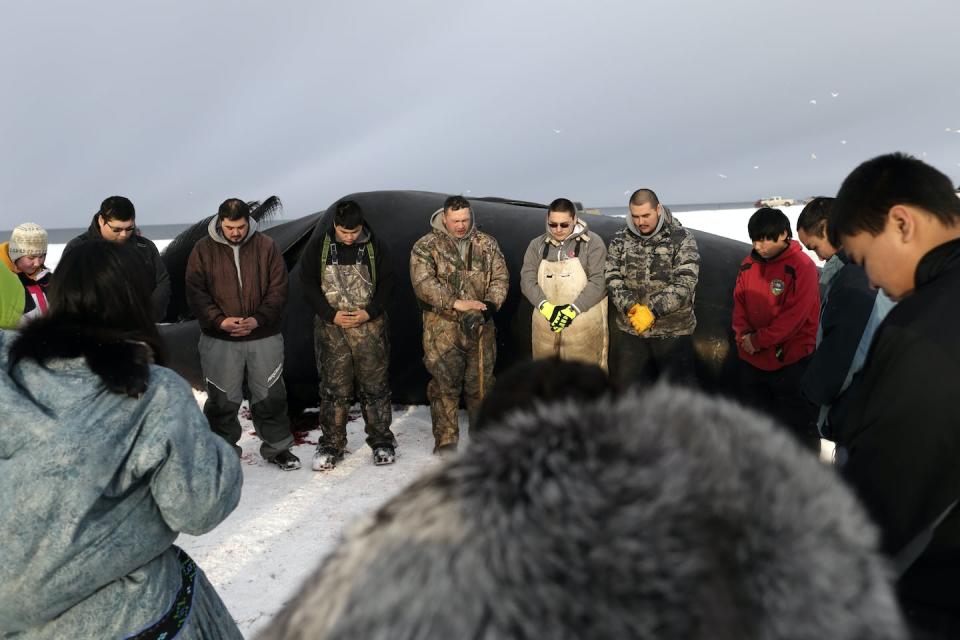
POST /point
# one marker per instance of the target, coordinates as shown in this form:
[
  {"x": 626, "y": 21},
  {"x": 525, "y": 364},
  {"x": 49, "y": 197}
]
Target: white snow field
[{"x": 288, "y": 521}]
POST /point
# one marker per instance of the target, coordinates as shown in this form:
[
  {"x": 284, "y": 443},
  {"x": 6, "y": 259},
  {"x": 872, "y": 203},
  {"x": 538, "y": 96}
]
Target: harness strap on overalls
[
  {"x": 576, "y": 248},
  {"x": 325, "y": 252}
]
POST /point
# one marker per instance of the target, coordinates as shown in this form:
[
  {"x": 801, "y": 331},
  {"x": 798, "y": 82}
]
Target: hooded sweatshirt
[
  {"x": 248, "y": 279},
  {"x": 444, "y": 269},
  {"x": 778, "y": 301},
  {"x": 660, "y": 270},
  {"x": 581, "y": 243}
]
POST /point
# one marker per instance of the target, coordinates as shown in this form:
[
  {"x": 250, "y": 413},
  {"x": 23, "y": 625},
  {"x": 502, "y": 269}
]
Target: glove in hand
[
  {"x": 471, "y": 322},
  {"x": 641, "y": 318},
  {"x": 549, "y": 311},
  {"x": 564, "y": 318}
]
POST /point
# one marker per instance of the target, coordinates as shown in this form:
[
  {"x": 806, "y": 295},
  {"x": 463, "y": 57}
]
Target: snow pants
[
  {"x": 457, "y": 363},
  {"x": 635, "y": 360},
  {"x": 229, "y": 365},
  {"x": 348, "y": 360},
  {"x": 777, "y": 393}
]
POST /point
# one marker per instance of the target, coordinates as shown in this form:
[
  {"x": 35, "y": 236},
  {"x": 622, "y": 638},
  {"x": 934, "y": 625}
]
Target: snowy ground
[{"x": 287, "y": 521}]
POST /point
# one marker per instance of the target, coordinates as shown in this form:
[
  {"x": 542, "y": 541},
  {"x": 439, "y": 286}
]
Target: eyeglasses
[
  {"x": 120, "y": 229},
  {"x": 562, "y": 225}
]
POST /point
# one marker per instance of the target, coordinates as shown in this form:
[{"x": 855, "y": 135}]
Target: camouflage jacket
[
  {"x": 660, "y": 270},
  {"x": 444, "y": 269}
]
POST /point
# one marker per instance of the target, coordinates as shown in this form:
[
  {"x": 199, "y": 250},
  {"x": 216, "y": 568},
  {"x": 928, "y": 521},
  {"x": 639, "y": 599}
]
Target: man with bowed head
[
  {"x": 236, "y": 283},
  {"x": 460, "y": 279},
  {"x": 776, "y": 306},
  {"x": 899, "y": 219},
  {"x": 562, "y": 277},
  {"x": 347, "y": 278},
  {"x": 652, "y": 269},
  {"x": 116, "y": 221}
]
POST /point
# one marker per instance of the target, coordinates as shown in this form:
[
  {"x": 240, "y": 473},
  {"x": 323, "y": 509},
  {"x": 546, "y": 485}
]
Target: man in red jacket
[{"x": 776, "y": 307}]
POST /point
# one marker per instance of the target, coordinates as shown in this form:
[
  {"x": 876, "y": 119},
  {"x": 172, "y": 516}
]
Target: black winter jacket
[
  {"x": 843, "y": 316},
  {"x": 311, "y": 270},
  {"x": 160, "y": 297},
  {"x": 902, "y": 436}
]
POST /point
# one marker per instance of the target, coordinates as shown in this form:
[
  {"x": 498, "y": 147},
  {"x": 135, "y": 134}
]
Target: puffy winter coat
[{"x": 247, "y": 280}]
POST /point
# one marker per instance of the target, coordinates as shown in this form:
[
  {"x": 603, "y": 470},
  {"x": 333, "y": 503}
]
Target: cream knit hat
[{"x": 28, "y": 239}]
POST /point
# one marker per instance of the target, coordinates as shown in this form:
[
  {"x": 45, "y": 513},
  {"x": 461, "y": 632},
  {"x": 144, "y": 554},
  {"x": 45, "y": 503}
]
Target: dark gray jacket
[{"x": 156, "y": 270}]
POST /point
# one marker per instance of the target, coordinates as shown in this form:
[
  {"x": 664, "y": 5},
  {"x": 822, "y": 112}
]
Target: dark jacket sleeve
[
  {"x": 161, "y": 288},
  {"x": 385, "y": 278},
  {"x": 275, "y": 298},
  {"x": 902, "y": 453},
  {"x": 848, "y": 308},
  {"x": 311, "y": 276},
  {"x": 199, "y": 299}
]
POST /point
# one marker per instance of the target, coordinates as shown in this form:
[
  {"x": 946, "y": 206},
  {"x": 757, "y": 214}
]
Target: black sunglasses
[{"x": 562, "y": 225}]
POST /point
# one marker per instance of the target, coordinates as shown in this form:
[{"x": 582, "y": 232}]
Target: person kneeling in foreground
[
  {"x": 106, "y": 459},
  {"x": 662, "y": 515}
]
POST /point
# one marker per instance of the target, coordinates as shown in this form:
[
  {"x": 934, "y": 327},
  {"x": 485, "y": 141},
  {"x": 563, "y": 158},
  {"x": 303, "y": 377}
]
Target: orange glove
[{"x": 640, "y": 317}]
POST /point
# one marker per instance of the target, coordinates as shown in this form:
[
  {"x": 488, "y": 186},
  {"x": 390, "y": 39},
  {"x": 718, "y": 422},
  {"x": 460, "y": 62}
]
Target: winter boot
[
  {"x": 286, "y": 461},
  {"x": 326, "y": 458},
  {"x": 384, "y": 454}
]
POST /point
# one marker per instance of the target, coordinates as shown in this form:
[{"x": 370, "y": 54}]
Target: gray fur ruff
[{"x": 663, "y": 515}]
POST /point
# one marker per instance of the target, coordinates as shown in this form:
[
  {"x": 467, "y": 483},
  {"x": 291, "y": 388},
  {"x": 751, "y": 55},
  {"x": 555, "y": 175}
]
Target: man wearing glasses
[
  {"x": 652, "y": 269},
  {"x": 116, "y": 222},
  {"x": 562, "y": 277}
]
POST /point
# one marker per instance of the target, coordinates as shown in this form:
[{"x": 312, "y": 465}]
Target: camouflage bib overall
[{"x": 352, "y": 356}]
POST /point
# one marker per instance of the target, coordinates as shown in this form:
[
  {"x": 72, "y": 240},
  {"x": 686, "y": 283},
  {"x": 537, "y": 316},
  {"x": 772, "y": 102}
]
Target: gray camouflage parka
[{"x": 660, "y": 270}]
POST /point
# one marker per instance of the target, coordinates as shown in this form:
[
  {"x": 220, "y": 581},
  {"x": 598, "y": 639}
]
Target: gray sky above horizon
[{"x": 179, "y": 105}]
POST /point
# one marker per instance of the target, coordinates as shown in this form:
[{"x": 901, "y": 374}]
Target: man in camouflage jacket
[
  {"x": 460, "y": 279},
  {"x": 652, "y": 270}
]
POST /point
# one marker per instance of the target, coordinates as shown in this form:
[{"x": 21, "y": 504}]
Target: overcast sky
[{"x": 179, "y": 105}]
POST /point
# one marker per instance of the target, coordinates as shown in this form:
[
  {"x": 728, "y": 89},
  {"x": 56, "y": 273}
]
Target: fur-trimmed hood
[{"x": 663, "y": 515}]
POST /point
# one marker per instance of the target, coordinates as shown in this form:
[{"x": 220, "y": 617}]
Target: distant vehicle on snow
[{"x": 776, "y": 201}]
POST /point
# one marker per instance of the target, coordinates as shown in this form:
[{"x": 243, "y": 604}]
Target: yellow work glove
[
  {"x": 564, "y": 318},
  {"x": 549, "y": 311},
  {"x": 640, "y": 317}
]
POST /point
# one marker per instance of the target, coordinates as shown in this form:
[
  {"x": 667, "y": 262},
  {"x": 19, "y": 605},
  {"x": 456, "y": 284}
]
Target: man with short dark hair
[
  {"x": 116, "y": 222},
  {"x": 460, "y": 278},
  {"x": 776, "y": 305},
  {"x": 850, "y": 311},
  {"x": 562, "y": 277},
  {"x": 899, "y": 218},
  {"x": 652, "y": 269},
  {"x": 236, "y": 285},
  {"x": 348, "y": 279}
]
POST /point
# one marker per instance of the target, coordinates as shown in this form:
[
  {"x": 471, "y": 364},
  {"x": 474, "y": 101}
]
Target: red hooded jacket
[{"x": 777, "y": 300}]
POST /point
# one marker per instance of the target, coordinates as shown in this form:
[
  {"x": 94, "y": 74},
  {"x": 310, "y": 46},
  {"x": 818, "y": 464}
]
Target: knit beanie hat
[{"x": 28, "y": 239}]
